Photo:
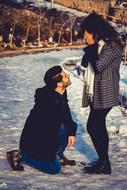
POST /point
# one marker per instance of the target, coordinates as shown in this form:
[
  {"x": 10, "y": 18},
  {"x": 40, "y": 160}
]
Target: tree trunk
[{"x": 39, "y": 34}]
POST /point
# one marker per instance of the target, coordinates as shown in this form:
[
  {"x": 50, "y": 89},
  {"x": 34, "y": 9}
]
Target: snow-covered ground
[{"x": 19, "y": 77}]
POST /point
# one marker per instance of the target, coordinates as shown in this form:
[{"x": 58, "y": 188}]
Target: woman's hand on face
[{"x": 89, "y": 38}]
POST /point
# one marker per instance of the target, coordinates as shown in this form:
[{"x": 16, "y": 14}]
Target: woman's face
[{"x": 89, "y": 38}]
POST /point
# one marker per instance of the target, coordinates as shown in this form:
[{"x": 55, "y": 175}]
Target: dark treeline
[{"x": 21, "y": 25}]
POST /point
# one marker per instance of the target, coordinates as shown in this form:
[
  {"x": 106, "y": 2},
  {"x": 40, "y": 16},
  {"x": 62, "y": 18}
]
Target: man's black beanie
[{"x": 53, "y": 71}]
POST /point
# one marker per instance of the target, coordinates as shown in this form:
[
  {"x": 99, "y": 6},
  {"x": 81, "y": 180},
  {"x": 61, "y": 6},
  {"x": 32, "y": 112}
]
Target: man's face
[{"x": 66, "y": 79}]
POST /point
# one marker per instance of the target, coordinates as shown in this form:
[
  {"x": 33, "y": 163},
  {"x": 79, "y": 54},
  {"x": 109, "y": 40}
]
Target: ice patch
[{"x": 3, "y": 185}]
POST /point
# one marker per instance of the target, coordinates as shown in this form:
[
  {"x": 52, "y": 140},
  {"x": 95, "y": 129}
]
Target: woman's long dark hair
[{"x": 101, "y": 29}]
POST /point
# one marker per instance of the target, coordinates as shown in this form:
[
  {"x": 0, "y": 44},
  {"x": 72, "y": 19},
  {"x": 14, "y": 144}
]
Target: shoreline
[{"x": 11, "y": 53}]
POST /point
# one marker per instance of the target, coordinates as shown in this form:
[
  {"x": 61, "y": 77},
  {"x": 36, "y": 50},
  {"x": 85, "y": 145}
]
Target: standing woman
[{"x": 102, "y": 60}]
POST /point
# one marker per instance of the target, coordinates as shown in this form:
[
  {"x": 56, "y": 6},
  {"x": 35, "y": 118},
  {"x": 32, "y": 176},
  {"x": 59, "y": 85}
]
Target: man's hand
[{"x": 71, "y": 141}]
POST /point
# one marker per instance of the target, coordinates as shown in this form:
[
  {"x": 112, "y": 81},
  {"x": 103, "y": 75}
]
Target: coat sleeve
[
  {"x": 70, "y": 125},
  {"x": 90, "y": 56},
  {"x": 107, "y": 57}
]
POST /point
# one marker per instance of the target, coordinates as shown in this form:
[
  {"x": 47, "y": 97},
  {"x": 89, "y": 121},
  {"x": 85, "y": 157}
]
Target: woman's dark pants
[{"x": 96, "y": 127}]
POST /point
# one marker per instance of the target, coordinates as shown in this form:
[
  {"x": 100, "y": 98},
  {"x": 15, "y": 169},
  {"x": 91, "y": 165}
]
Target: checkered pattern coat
[{"x": 106, "y": 82}]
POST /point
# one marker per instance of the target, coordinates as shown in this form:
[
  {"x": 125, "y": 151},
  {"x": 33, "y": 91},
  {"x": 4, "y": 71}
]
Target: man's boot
[
  {"x": 65, "y": 161},
  {"x": 14, "y": 159}
]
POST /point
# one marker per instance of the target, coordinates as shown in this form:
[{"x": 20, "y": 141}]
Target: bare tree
[
  {"x": 62, "y": 30},
  {"x": 71, "y": 20}
]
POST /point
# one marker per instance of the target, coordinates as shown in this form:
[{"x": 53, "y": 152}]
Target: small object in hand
[{"x": 14, "y": 159}]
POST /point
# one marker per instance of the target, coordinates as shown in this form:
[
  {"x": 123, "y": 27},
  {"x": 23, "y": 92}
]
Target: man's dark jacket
[{"x": 39, "y": 138}]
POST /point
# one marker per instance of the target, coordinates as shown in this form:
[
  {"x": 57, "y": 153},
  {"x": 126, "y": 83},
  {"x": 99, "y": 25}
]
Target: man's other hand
[{"x": 71, "y": 141}]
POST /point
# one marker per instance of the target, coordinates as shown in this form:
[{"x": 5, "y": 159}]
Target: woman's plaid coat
[{"x": 106, "y": 82}]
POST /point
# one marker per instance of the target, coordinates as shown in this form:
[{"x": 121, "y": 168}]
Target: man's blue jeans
[
  {"x": 46, "y": 166},
  {"x": 63, "y": 140}
]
